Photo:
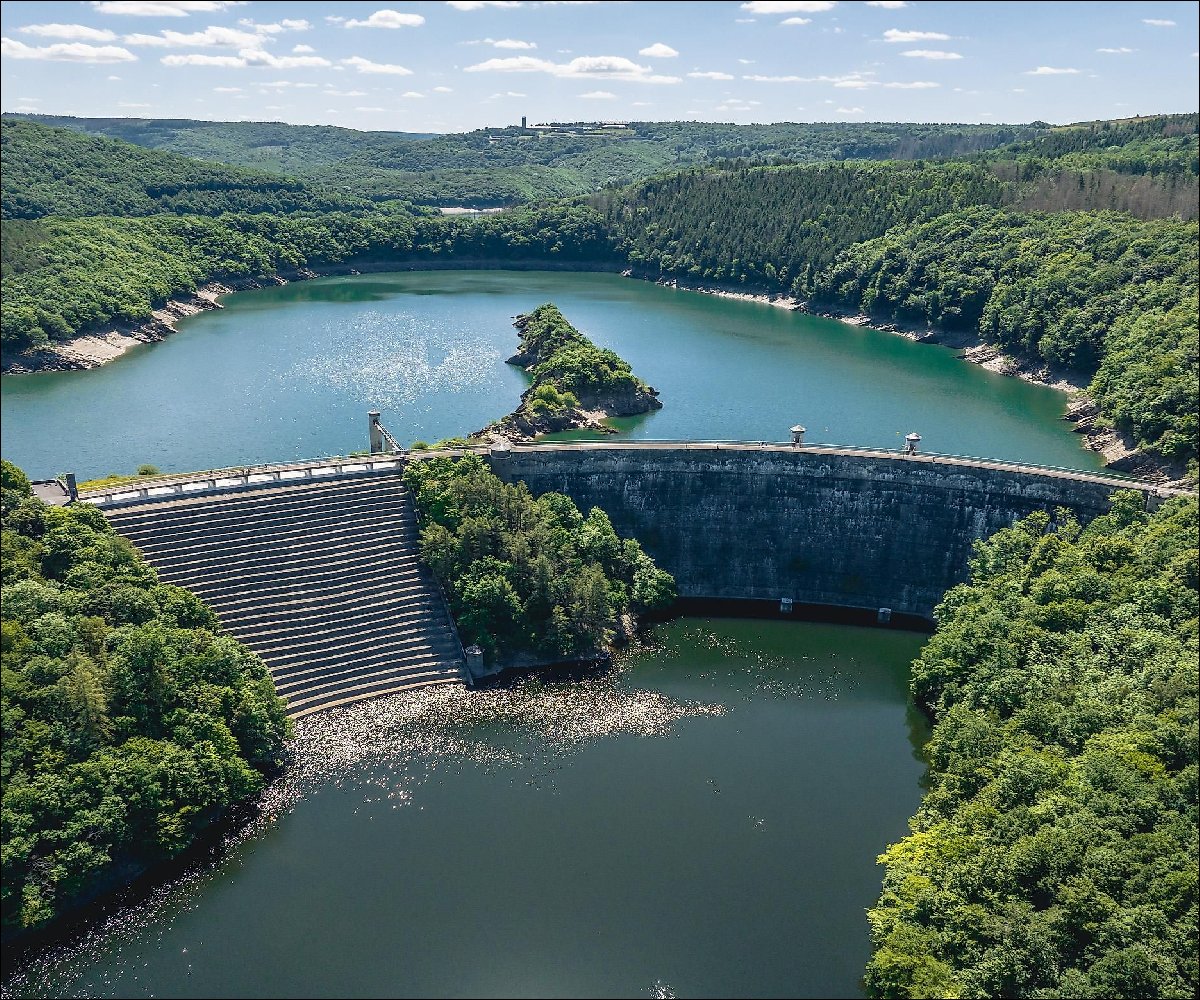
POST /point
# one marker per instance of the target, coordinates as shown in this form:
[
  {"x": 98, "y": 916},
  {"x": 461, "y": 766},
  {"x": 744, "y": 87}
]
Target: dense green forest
[
  {"x": 60, "y": 172},
  {"x": 504, "y": 166},
  {"x": 1055, "y": 853},
  {"x": 271, "y": 146},
  {"x": 525, "y": 575},
  {"x": 63, "y": 276},
  {"x": 1099, "y": 292},
  {"x": 568, "y": 375},
  {"x": 129, "y": 724}
]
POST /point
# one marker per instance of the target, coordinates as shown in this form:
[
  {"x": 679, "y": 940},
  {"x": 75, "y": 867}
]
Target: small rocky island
[{"x": 575, "y": 383}]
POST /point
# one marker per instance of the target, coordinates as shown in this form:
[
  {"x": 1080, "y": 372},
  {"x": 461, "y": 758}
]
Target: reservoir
[
  {"x": 289, "y": 372},
  {"x": 701, "y": 822}
]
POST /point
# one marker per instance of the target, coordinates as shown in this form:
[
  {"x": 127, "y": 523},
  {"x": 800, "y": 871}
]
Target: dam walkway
[{"x": 319, "y": 575}]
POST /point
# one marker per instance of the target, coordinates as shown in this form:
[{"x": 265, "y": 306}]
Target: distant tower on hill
[{"x": 524, "y": 122}]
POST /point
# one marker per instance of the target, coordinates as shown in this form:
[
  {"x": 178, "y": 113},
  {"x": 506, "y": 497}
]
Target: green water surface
[
  {"x": 703, "y": 822},
  {"x": 289, "y": 372}
]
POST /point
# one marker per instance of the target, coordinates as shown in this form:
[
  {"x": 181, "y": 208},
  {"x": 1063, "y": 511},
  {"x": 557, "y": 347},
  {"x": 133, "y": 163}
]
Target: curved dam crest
[
  {"x": 316, "y": 565},
  {"x": 854, "y": 529}
]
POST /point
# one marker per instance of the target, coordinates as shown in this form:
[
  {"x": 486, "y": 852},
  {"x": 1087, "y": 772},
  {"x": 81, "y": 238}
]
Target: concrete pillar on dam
[{"x": 866, "y": 530}]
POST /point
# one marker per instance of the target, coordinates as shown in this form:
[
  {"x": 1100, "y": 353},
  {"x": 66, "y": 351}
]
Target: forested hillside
[
  {"x": 945, "y": 244},
  {"x": 50, "y": 171},
  {"x": 275, "y": 147},
  {"x": 1099, "y": 292},
  {"x": 129, "y": 724},
  {"x": 504, "y": 166},
  {"x": 1055, "y": 853}
]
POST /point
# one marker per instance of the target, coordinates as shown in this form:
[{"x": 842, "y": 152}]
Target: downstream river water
[
  {"x": 289, "y": 372},
  {"x": 702, "y": 821}
]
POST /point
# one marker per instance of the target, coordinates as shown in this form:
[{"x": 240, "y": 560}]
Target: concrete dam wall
[{"x": 856, "y": 529}]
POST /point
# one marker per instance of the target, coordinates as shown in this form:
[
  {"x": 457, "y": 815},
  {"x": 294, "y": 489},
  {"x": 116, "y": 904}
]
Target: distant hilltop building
[{"x": 513, "y": 133}]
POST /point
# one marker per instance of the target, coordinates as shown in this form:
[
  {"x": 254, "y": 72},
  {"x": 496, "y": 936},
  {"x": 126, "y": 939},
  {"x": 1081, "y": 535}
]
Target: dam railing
[{"x": 238, "y": 478}]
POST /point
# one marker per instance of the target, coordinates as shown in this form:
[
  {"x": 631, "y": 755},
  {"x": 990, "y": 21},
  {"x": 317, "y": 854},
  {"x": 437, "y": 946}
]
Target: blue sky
[{"x": 445, "y": 67}]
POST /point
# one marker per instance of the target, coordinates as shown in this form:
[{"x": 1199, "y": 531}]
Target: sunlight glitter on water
[
  {"x": 390, "y": 360},
  {"x": 385, "y": 749}
]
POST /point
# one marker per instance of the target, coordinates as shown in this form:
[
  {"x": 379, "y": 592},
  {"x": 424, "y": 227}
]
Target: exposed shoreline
[{"x": 97, "y": 348}]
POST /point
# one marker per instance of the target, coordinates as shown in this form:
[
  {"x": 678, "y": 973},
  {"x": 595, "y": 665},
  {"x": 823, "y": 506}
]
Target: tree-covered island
[{"x": 574, "y": 382}]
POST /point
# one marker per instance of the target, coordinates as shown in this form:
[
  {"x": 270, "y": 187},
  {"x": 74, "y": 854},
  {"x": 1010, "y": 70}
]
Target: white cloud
[
  {"x": 747, "y": 62},
  {"x": 286, "y": 83},
  {"x": 658, "y": 50},
  {"x": 71, "y": 32},
  {"x": 388, "y": 19},
  {"x": 914, "y": 85},
  {"x": 851, "y": 80},
  {"x": 443, "y": 90},
  {"x": 896, "y": 35},
  {"x": 1052, "y": 71},
  {"x": 1123, "y": 50},
  {"x": 208, "y": 38},
  {"x": 366, "y": 66},
  {"x": 593, "y": 67},
  {"x": 413, "y": 93},
  {"x": 759, "y": 78},
  {"x": 79, "y": 52},
  {"x": 370, "y": 109},
  {"x": 502, "y": 43},
  {"x": 598, "y": 95},
  {"x": 227, "y": 90},
  {"x": 197, "y": 59},
  {"x": 164, "y": 8},
  {"x": 887, "y": 4},
  {"x": 930, "y": 54},
  {"x": 246, "y": 57},
  {"x": 257, "y": 57},
  {"x": 788, "y": 6},
  {"x": 112, "y": 78},
  {"x": 344, "y": 93},
  {"x": 1158, "y": 22},
  {"x": 710, "y": 75},
  {"x": 796, "y": 20},
  {"x": 302, "y": 49},
  {"x": 642, "y": 104},
  {"x": 850, "y": 111},
  {"x": 276, "y": 27},
  {"x": 480, "y": 4}
]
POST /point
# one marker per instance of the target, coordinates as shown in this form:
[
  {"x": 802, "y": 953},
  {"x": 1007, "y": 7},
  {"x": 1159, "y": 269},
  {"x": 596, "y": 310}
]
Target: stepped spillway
[{"x": 321, "y": 579}]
